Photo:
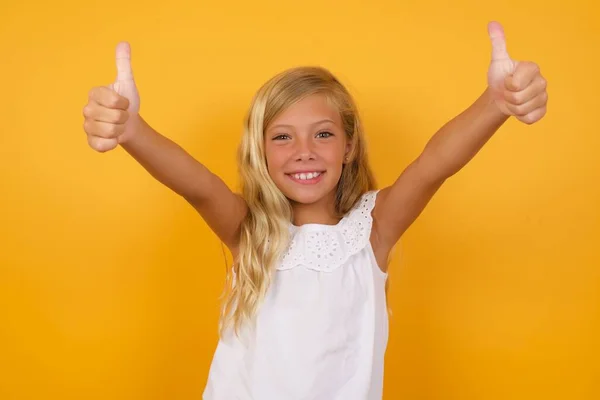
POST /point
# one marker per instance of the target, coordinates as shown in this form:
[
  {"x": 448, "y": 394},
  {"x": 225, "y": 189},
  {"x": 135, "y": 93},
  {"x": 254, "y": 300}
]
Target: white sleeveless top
[{"x": 322, "y": 330}]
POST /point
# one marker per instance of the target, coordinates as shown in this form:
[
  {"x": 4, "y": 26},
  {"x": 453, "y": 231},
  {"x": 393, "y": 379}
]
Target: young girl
[{"x": 305, "y": 316}]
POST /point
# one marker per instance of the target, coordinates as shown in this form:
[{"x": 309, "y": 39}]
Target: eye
[
  {"x": 324, "y": 135},
  {"x": 281, "y": 137}
]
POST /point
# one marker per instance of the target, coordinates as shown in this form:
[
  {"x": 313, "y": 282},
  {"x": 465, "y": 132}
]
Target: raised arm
[
  {"x": 514, "y": 89},
  {"x": 112, "y": 118},
  {"x": 171, "y": 165}
]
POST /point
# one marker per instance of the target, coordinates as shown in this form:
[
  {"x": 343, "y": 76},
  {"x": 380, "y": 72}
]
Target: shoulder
[
  {"x": 364, "y": 219},
  {"x": 365, "y": 204},
  {"x": 381, "y": 248}
]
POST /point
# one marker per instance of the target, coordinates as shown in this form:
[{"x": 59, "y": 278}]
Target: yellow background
[{"x": 110, "y": 284}]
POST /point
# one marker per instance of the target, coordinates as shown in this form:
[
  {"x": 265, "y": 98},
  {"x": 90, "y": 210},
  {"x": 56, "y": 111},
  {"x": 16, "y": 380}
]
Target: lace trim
[{"x": 326, "y": 247}]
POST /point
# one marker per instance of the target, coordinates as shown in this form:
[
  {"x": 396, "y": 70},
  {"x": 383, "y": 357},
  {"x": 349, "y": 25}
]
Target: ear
[{"x": 347, "y": 153}]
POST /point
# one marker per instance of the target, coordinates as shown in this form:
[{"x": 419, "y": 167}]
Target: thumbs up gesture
[
  {"x": 111, "y": 110},
  {"x": 518, "y": 88}
]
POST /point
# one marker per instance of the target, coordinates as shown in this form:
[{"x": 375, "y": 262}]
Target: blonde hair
[{"x": 264, "y": 232}]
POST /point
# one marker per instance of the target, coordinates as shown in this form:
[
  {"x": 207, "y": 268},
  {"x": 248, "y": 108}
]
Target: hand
[
  {"x": 111, "y": 110},
  {"x": 518, "y": 88}
]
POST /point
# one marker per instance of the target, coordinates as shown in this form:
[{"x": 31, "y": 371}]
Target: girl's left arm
[{"x": 514, "y": 89}]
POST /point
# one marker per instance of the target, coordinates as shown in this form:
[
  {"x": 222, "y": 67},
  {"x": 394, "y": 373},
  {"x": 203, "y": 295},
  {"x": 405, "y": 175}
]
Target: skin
[{"x": 307, "y": 137}]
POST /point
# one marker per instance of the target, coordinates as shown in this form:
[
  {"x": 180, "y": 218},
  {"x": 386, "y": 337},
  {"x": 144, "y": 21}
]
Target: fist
[
  {"x": 111, "y": 110},
  {"x": 518, "y": 88}
]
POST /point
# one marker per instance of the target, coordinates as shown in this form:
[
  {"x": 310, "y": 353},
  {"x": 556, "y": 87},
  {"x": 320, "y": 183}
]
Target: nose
[{"x": 304, "y": 150}]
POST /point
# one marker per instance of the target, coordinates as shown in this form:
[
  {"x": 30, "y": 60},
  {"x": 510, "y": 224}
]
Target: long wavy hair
[{"x": 264, "y": 232}]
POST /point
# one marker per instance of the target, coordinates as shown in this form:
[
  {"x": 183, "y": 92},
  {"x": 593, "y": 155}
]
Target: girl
[{"x": 305, "y": 315}]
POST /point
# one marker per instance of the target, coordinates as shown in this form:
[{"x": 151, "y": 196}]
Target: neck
[{"x": 319, "y": 212}]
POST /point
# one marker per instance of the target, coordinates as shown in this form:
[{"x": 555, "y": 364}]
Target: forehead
[{"x": 307, "y": 112}]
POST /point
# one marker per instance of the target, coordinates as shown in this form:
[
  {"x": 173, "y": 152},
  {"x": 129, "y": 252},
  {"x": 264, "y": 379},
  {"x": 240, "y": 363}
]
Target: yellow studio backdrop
[{"x": 110, "y": 283}]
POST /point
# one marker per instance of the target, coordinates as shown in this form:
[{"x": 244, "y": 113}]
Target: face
[{"x": 305, "y": 149}]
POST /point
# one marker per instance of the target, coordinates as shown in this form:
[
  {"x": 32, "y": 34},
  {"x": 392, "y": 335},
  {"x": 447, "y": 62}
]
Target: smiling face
[{"x": 305, "y": 148}]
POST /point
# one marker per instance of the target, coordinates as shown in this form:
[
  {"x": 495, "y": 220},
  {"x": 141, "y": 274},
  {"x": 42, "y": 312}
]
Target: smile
[{"x": 306, "y": 178}]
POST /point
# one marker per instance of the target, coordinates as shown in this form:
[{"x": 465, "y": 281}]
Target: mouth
[{"x": 306, "y": 178}]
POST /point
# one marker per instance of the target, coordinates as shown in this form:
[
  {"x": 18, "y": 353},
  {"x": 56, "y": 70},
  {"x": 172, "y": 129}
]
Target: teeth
[{"x": 304, "y": 176}]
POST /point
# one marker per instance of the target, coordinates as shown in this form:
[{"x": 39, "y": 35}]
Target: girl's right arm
[
  {"x": 171, "y": 165},
  {"x": 112, "y": 118}
]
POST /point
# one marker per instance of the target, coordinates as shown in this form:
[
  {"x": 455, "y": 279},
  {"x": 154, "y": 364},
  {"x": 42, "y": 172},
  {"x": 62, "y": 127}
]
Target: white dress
[{"x": 322, "y": 330}]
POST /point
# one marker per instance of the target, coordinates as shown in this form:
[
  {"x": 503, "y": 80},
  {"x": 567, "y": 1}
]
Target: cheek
[
  {"x": 275, "y": 161},
  {"x": 334, "y": 156}
]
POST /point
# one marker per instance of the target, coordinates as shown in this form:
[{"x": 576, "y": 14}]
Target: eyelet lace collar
[{"x": 326, "y": 247}]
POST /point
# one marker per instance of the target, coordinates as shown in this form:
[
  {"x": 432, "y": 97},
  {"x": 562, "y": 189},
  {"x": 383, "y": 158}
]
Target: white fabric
[{"x": 322, "y": 330}]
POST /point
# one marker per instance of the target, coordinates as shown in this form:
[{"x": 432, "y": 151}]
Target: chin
[{"x": 304, "y": 198}]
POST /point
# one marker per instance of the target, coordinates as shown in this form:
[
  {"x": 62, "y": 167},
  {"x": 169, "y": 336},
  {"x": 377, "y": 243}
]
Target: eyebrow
[{"x": 313, "y": 124}]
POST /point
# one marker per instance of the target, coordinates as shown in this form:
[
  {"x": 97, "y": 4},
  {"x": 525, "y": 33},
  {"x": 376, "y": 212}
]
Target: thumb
[
  {"x": 123, "y": 58},
  {"x": 496, "y": 33}
]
